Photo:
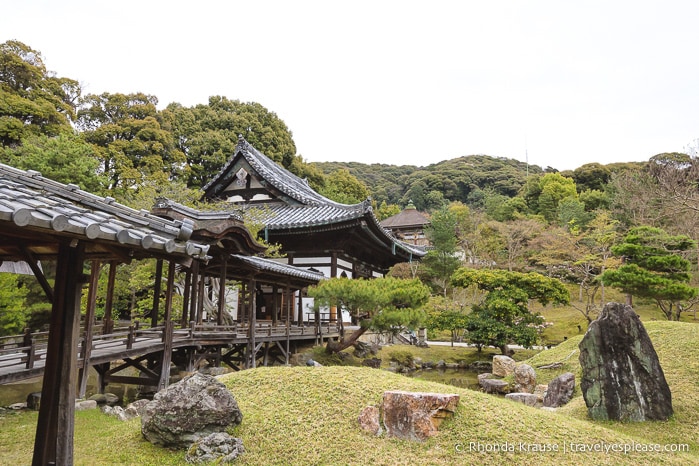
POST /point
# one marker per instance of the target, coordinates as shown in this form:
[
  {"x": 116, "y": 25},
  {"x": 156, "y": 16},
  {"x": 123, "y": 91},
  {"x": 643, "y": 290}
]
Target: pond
[{"x": 17, "y": 392}]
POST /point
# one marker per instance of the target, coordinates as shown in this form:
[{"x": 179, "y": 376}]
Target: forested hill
[{"x": 460, "y": 179}]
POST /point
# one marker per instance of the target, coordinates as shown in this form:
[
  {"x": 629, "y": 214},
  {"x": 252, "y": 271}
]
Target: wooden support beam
[
  {"x": 194, "y": 290},
  {"x": 107, "y": 320},
  {"x": 252, "y": 323},
  {"x": 200, "y": 299},
  {"x": 31, "y": 260},
  {"x": 222, "y": 291},
  {"x": 89, "y": 327},
  {"x": 53, "y": 443},
  {"x": 185, "y": 298},
  {"x": 155, "y": 310},
  {"x": 166, "y": 358}
]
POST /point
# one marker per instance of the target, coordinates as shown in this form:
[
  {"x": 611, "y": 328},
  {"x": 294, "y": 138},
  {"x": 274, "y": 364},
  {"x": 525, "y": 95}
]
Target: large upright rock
[
  {"x": 193, "y": 408},
  {"x": 621, "y": 375},
  {"x": 525, "y": 378}
]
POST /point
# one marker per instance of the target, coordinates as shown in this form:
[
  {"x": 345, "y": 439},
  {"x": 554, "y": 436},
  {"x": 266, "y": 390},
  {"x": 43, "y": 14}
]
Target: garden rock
[
  {"x": 560, "y": 390},
  {"x": 218, "y": 447},
  {"x": 416, "y": 415},
  {"x": 372, "y": 362},
  {"x": 34, "y": 401},
  {"x": 188, "y": 410},
  {"x": 525, "y": 378},
  {"x": 503, "y": 365},
  {"x": 494, "y": 386},
  {"x": 528, "y": 399},
  {"x": 370, "y": 420},
  {"x": 84, "y": 405},
  {"x": 621, "y": 375}
]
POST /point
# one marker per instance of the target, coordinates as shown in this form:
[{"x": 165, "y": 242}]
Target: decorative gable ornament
[{"x": 240, "y": 177}]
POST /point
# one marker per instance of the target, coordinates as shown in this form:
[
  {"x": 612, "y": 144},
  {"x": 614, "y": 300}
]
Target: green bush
[{"x": 404, "y": 358}]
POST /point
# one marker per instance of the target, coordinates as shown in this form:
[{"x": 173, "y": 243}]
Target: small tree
[
  {"x": 654, "y": 268},
  {"x": 445, "y": 314},
  {"x": 441, "y": 261},
  {"x": 380, "y": 304},
  {"x": 502, "y": 317}
]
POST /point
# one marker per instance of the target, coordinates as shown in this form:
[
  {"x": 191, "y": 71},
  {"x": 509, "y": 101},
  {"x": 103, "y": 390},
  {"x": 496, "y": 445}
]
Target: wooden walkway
[{"x": 232, "y": 345}]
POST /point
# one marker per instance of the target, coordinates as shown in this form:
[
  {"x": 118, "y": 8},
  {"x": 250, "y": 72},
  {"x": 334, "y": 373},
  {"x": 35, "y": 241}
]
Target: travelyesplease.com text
[{"x": 570, "y": 447}]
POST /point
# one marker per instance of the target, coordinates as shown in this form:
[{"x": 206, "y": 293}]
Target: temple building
[
  {"x": 409, "y": 226},
  {"x": 315, "y": 233}
]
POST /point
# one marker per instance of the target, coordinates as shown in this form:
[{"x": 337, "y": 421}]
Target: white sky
[{"x": 400, "y": 82}]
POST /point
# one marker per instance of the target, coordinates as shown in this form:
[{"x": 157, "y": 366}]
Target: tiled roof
[
  {"x": 29, "y": 200},
  {"x": 315, "y": 209},
  {"x": 277, "y": 176},
  {"x": 269, "y": 265},
  {"x": 409, "y": 217}
]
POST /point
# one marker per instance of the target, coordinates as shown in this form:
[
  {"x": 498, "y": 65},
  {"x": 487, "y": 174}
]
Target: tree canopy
[
  {"x": 654, "y": 268},
  {"x": 503, "y": 316},
  {"x": 380, "y": 304}
]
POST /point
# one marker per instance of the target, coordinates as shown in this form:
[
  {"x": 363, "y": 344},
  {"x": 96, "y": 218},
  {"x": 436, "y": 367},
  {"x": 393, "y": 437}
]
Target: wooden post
[
  {"x": 107, "y": 320},
  {"x": 53, "y": 443},
  {"x": 222, "y": 292},
  {"x": 288, "y": 332},
  {"x": 156, "y": 293},
  {"x": 200, "y": 299},
  {"x": 195, "y": 289},
  {"x": 89, "y": 327},
  {"x": 275, "y": 308},
  {"x": 185, "y": 298},
  {"x": 253, "y": 323},
  {"x": 170, "y": 290},
  {"x": 167, "y": 356}
]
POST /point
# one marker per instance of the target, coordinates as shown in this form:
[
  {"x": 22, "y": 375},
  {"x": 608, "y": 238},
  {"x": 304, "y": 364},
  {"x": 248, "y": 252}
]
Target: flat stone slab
[{"x": 416, "y": 415}]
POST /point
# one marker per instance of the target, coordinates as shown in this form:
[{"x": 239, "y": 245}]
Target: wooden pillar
[
  {"x": 275, "y": 307},
  {"x": 195, "y": 289},
  {"x": 185, "y": 299},
  {"x": 333, "y": 265},
  {"x": 156, "y": 293},
  {"x": 253, "y": 322},
  {"x": 167, "y": 355},
  {"x": 54, "y": 431},
  {"x": 288, "y": 334},
  {"x": 89, "y": 327},
  {"x": 107, "y": 320},
  {"x": 222, "y": 291},
  {"x": 200, "y": 299},
  {"x": 291, "y": 304}
]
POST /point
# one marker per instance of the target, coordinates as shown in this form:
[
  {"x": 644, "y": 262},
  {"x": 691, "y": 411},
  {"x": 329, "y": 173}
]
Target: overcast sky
[{"x": 562, "y": 83}]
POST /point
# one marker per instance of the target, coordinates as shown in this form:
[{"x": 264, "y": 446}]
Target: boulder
[
  {"x": 363, "y": 350},
  {"x": 372, "y": 362},
  {"x": 560, "y": 390},
  {"x": 416, "y": 415},
  {"x": 84, "y": 405},
  {"x": 503, "y": 365},
  {"x": 540, "y": 391},
  {"x": 34, "y": 401},
  {"x": 109, "y": 399},
  {"x": 494, "y": 386},
  {"x": 525, "y": 378},
  {"x": 188, "y": 410},
  {"x": 621, "y": 375},
  {"x": 313, "y": 363},
  {"x": 218, "y": 448},
  {"x": 528, "y": 399},
  {"x": 370, "y": 420}
]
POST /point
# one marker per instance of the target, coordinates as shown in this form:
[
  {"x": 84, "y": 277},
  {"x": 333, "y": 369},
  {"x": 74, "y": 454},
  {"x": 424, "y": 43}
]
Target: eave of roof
[
  {"x": 269, "y": 265},
  {"x": 28, "y": 200}
]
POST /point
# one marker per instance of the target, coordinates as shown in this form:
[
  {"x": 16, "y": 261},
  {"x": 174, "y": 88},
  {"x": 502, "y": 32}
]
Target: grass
[{"x": 308, "y": 415}]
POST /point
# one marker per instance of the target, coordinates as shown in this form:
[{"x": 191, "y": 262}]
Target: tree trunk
[{"x": 344, "y": 344}]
